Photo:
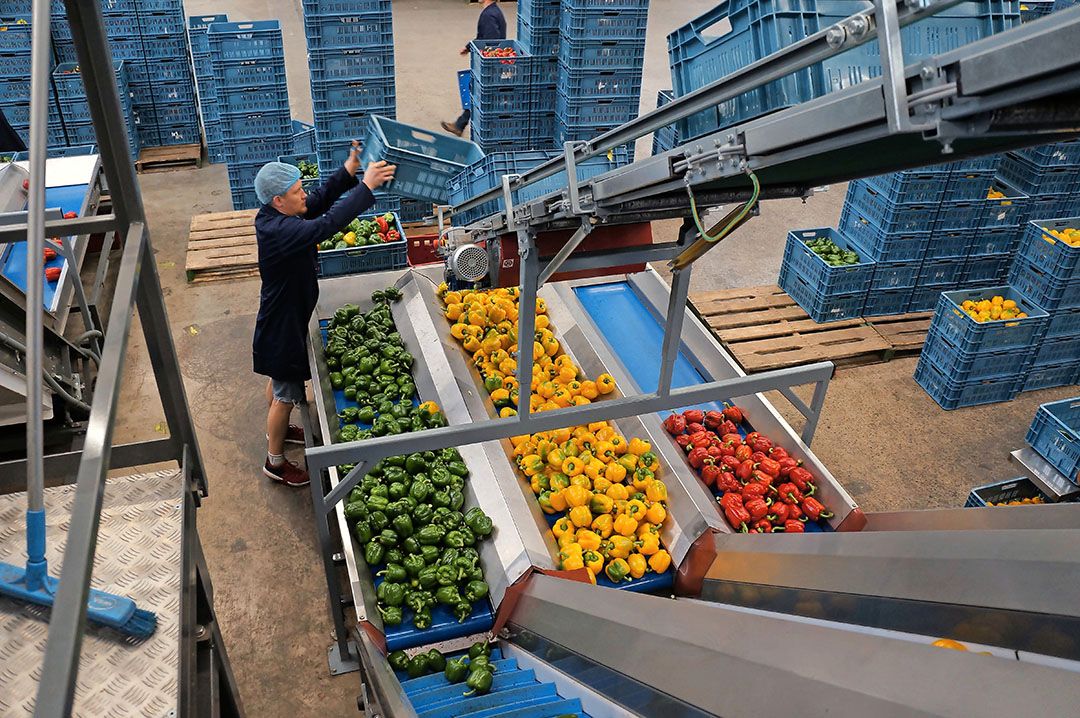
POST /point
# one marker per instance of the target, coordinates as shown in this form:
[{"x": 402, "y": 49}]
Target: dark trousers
[
  {"x": 11, "y": 142},
  {"x": 462, "y": 122}
]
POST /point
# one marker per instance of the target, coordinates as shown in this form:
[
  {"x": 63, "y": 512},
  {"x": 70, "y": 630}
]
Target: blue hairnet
[{"x": 275, "y": 178}]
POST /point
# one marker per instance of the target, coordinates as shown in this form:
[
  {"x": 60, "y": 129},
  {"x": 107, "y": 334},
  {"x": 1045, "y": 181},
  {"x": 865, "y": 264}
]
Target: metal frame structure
[{"x": 138, "y": 288}]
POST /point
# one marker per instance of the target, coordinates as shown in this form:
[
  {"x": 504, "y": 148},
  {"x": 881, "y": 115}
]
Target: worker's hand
[
  {"x": 465, "y": 51},
  {"x": 378, "y": 174},
  {"x": 352, "y": 165}
]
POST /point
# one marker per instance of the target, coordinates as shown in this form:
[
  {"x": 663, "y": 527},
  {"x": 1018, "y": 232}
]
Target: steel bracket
[{"x": 341, "y": 663}]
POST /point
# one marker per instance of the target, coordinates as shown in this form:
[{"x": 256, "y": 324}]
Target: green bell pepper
[
  {"x": 422, "y": 619},
  {"x": 430, "y": 535},
  {"x": 462, "y": 611},
  {"x": 428, "y": 578},
  {"x": 391, "y": 615},
  {"x": 355, "y": 510},
  {"x": 440, "y": 477},
  {"x": 388, "y": 538},
  {"x": 421, "y": 488},
  {"x": 436, "y": 661},
  {"x": 457, "y": 669},
  {"x": 478, "y": 522},
  {"x": 337, "y": 380},
  {"x": 475, "y": 590},
  {"x": 458, "y": 468},
  {"x": 398, "y": 461},
  {"x": 394, "y": 555},
  {"x": 468, "y": 536},
  {"x": 418, "y": 665},
  {"x": 373, "y": 553},
  {"x": 450, "y": 454},
  {"x": 480, "y": 648},
  {"x": 397, "y": 491},
  {"x": 441, "y": 499},
  {"x": 414, "y": 464},
  {"x": 393, "y": 593},
  {"x": 378, "y": 520},
  {"x": 362, "y": 531},
  {"x": 394, "y": 573},
  {"x": 398, "y": 660},
  {"x": 403, "y": 525},
  {"x": 448, "y": 595},
  {"x": 366, "y": 415},
  {"x": 478, "y": 682},
  {"x": 377, "y": 502},
  {"x": 446, "y": 575},
  {"x": 457, "y": 499},
  {"x": 411, "y": 546},
  {"x": 430, "y": 554},
  {"x": 454, "y": 539},
  {"x": 423, "y": 514}
]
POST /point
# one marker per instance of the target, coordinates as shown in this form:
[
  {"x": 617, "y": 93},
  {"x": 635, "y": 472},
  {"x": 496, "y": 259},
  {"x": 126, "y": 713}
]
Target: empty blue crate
[
  {"x": 1058, "y": 351},
  {"x": 887, "y": 302},
  {"x": 330, "y": 32},
  {"x": 371, "y": 258},
  {"x": 1043, "y": 288},
  {"x": 603, "y": 83},
  {"x": 605, "y": 24},
  {"x": 968, "y": 184},
  {"x": 994, "y": 241},
  {"x": 1063, "y": 323},
  {"x": 164, "y": 47},
  {"x": 425, "y": 161},
  {"x": 601, "y": 54},
  {"x": 181, "y": 133},
  {"x": 952, "y": 394},
  {"x": 955, "y": 325},
  {"x": 665, "y": 138},
  {"x": 502, "y": 99},
  {"x": 257, "y": 149},
  {"x": 540, "y": 13},
  {"x": 495, "y": 126},
  {"x": 1004, "y": 492},
  {"x": 886, "y": 214},
  {"x": 1049, "y": 253},
  {"x": 153, "y": 24},
  {"x": 244, "y": 198},
  {"x": 911, "y": 186},
  {"x": 960, "y": 215},
  {"x": 941, "y": 271},
  {"x": 820, "y": 306},
  {"x": 1032, "y": 178},
  {"x": 895, "y": 275},
  {"x": 257, "y": 124},
  {"x": 253, "y": 73},
  {"x": 1058, "y": 153},
  {"x": 15, "y": 65},
  {"x": 345, "y": 7},
  {"x": 966, "y": 366},
  {"x": 362, "y": 63},
  {"x": 948, "y": 245},
  {"x": 197, "y": 27},
  {"x": 241, "y": 41},
  {"x": 802, "y": 259},
  {"x": 303, "y": 138},
  {"x": 595, "y": 112},
  {"x": 1052, "y": 206},
  {"x": 1046, "y": 377},
  {"x": 1055, "y": 435},
  {"x": 1007, "y": 211},
  {"x": 341, "y": 128},
  {"x": 174, "y": 71},
  {"x": 986, "y": 270},
  {"x": 349, "y": 95}
]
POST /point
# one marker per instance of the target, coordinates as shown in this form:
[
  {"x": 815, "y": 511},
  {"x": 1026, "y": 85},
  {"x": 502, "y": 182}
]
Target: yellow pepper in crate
[
  {"x": 617, "y": 492},
  {"x": 660, "y": 561},
  {"x": 531, "y": 465},
  {"x": 557, "y": 501},
  {"x": 648, "y": 544},
  {"x": 562, "y": 526},
  {"x": 641, "y": 479},
  {"x": 656, "y": 491},
  {"x": 619, "y": 546},
  {"x": 594, "y": 469},
  {"x": 615, "y": 473},
  {"x": 558, "y": 481},
  {"x": 580, "y": 515},
  {"x": 566, "y": 539},
  {"x": 601, "y": 504},
  {"x": 645, "y": 528},
  {"x": 576, "y": 496},
  {"x": 617, "y": 570},
  {"x": 650, "y": 461},
  {"x": 555, "y": 460},
  {"x": 600, "y": 485},
  {"x": 544, "y": 499},
  {"x": 581, "y": 480},
  {"x": 589, "y": 539},
  {"x": 572, "y": 562},
  {"x": 573, "y": 466},
  {"x": 604, "y": 525},
  {"x": 639, "y": 447},
  {"x": 656, "y": 514},
  {"x": 637, "y": 565},
  {"x": 636, "y": 509},
  {"x": 593, "y": 561},
  {"x": 625, "y": 526}
]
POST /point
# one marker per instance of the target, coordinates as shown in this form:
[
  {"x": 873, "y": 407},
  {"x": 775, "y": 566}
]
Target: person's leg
[
  {"x": 277, "y": 425},
  {"x": 269, "y": 392},
  {"x": 285, "y": 395},
  {"x": 463, "y": 121}
]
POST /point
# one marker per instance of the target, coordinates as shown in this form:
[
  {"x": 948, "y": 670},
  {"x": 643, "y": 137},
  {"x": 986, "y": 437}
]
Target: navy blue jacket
[
  {"x": 492, "y": 24},
  {"x": 289, "y": 270}
]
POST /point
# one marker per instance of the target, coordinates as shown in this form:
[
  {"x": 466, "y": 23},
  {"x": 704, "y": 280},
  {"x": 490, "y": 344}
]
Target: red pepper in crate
[
  {"x": 734, "y": 413},
  {"x": 795, "y": 513},
  {"x": 727, "y": 428},
  {"x": 754, "y": 491},
  {"x": 743, "y": 452},
  {"x": 731, "y": 437},
  {"x": 727, "y": 482},
  {"x": 730, "y": 462},
  {"x": 675, "y": 424},
  {"x": 713, "y": 420},
  {"x": 737, "y": 516},
  {"x": 789, "y": 493},
  {"x": 709, "y": 474},
  {"x": 778, "y": 453},
  {"x": 786, "y": 465},
  {"x": 742, "y": 473},
  {"x": 794, "y": 527},
  {"x": 684, "y": 441},
  {"x": 697, "y": 456},
  {"x": 694, "y": 416},
  {"x": 814, "y": 509},
  {"x": 770, "y": 467},
  {"x": 763, "y": 526},
  {"x": 696, "y": 428},
  {"x": 715, "y": 453},
  {"x": 758, "y": 508},
  {"x": 700, "y": 438},
  {"x": 781, "y": 511},
  {"x": 761, "y": 477},
  {"x": 757, "y": 457},
  {"x": 803, "y": 479}
]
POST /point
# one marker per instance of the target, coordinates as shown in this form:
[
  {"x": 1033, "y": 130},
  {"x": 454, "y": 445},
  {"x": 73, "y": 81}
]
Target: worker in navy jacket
[
  {"x": 288, "y": 229},
  {"x": 490, "y": 26}
]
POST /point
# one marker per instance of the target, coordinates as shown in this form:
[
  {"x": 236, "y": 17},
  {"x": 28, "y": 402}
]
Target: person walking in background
[{"x": 490, "y": 26}]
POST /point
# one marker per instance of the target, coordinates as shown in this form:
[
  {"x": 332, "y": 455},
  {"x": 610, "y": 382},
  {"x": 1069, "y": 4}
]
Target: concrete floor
[{"x": 881, "y": 435}]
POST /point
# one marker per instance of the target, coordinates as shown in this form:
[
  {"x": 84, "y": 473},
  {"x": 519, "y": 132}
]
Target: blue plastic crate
[
  {"x": 518, "y": 71},
  {"x": 498, "y": 127},
  {"x": 540, "y": 42},
  {"x": 165, "y": 113},
  {"x": 960, "y": 216},
  {"x": 197, "y": 26},
  {"x": 970, "y": 184},
  {"x": 15, "y": 32},
  {"x": 166, "y": 47},
  {"x": 1045, "y": 377},
  {"x": 1043, "y": 288},
  {"x": 595, "y": 5},
  {"x": 1034, "y": 9},
  {"x": 887, "y": 302},
  {"x": 303, "y": 138},
  {"x": 1052, "y": 206},
  {"x": 941, "y": 271},
  {"x": 945, "y": 245},
  {"x": 295, "y": 159},
  {"x": 820, "y": 275},
  {"x": 1034, "y": 179},
  {"x": 600, "y": 54},
  {"x": 1058, "y": 153},
  {"x": 986, "y": 270},
  {"x": 665, "y": 138},
  {"x": 257, "y": 149},
  {"x": 76, "y": 110},
  {"x": 315, "y": 8},
  {"x": 162, "y": 71},
  {"x": 415, "y": 211},
  {"x": 911, "y": 186},
  {"x": 14, "y": 89},
  {"x": 183, "y": 133},
  {"x": 923, "y": 299},
  {"x": 540, "y": 13},
  {"x": 594, "y": 113},
  {"x": 146, "y": 5},
  {"x": 984, "y": 163},
  {"x": 150, "y": 24},
  {"x": 1055, "y": 435},
  {"x": 613, "y": 24},
  {"x": 242, "y": 174},
  {"x": 270, "y": 125},
  {"x": 14, "y": 65},
  {"x": 951, "y": 394},
  {"x": 542, "y": 128},
  {"x": 1048, "y": 253},
  {"x": 235, "y": 101},
  {"x": 331, "y": 32},
  {"x": 880, "y": 245},
  {"x": 968, "y": 366},
  {"x": 162, "y": 93},
  {"x": 244, "y": 199},
  {"x": 971, "y": 336},
  {"x": 425, "y": 161},
  {"x": 1063, "y": 323},
  {"x": 1003, "y": 492},
  {"x": 1008, "y": 211},
  {"x": 502, "y": 100},
  {"x": 352, "y": 64},
  {"x": 994, "y": 241},
  {"x": 249, "y": 74},
  {"x": 375, "y": 258},
  {"x": 599, "y": 84},
  {"x": 878, "y": 209},
  {"x": 1057, "y": 351},
  {"x": 894, "y": 275},
  {"x": 821, "y": 307},
  {"x": 341, "y": 128},
  {"x": 464, "y": 81},
  {"x": 239, "y": 41}
]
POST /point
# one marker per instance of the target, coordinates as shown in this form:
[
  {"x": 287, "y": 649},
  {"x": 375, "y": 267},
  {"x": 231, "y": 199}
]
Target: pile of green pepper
[
  {"x": 369, "y": 363},
  {"x": 408, "y": 518},
  {"x": 475, "y": 669}
]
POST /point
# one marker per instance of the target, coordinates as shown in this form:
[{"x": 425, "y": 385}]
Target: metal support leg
[
  {"x": 680, "y": 288},
  {"x": 817, "y": 403},
  {"x": 571, "y": 175},
  {"x": 530, "y": 272},
  {"x": 567, "y": 249},
  {"x": 80, "y": 292}
]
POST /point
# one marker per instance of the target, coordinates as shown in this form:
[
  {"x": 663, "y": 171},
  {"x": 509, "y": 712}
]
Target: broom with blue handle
[{"x": 33, "y": 582}]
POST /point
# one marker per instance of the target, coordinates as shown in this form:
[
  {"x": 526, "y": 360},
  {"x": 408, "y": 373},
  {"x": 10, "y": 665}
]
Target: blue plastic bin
[
  {"x": 887, "y": 302},
  {"x": 518, "y": 71},
  {"x": 352, "y": 95},
  {"x": 1057, "y": 351},
  {"x": 820, "y": 275},
  {"x": 971, "y": 336},
  {"x": 315, "y": 8},
  {"x": 1055, "y": 435},
  {"x": 268, "y": 125},
  {"x": 895, "y": 275},
  {"x": 374, "y": 258},
  {"x": 253, "y": 99},
  {"x": 880, "y": 245},
  {"x": 1063, "y": 323},
  {"x": 951, "y": 394},
  {"x": 330, "y": 32},
  {"x": 967, "y": 366},
  {"x": 363, "y": 63},
  {"x": 303, "y": 138},
  {"x": 15, "y": 31},
  {"x": 1058, "y": 153},
  {"x": 464, "y": 83},
  {"x": 586, "y": 83},
  {"x": 878, "y": 209},
  {"x": 911, "y": 186},
  {"x": 1045, "y": 377},
  {"x": 820, "y": 306},
  {"x": 197, "y": 27},
  {"x": 948, "y": 245},
  {"x": 239, "y": 41},
  {"x": 986, "y": 270},
  {"x": 995, "y": 241},
  {"x": 941, "y": 271},
  {"x": 970, "y": 184},
  {"x": 1033, "y": 179},
  {"x": 1003, "y": 492},
  {"x": 600, "y": 54},
  {"x": 1008, "y": 211},
  {"x": 608, "y": 24},
  {"x": 1046, "y": 252},
  {"x": 1043, "y": 288}
]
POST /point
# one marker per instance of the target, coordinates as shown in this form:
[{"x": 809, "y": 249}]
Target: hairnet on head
[{"x": 275, "y": 178}]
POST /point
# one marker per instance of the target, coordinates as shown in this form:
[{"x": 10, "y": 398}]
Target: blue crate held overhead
[
  {"x": 1043, "y": 288},
  {"x": 822, "y": 276},
  {"x": 1045, "y": 377},
  {"x": 1003, "y": 492},
  {"x": 971, "y": 336},
  {"x": 425, "y": 161},
  {"x": 1055, "y": 435},
  {"x": 952, "y": 394},
  {"x": 1048, "y": 253},
  {"x": 967, "y": 366}
]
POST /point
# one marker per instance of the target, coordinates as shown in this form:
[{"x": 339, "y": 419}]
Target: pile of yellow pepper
[{"x": 607, "y": 485}]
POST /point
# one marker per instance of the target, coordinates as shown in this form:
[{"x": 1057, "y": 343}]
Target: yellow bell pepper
[
  {"x": 572, "y": 562},
  {"x": 572, "y": 466},
  {"x": 638, "y": 447},
  {"x": 645, "y": 528},
  {"x": 660, "y": 561},
  {"x": 566, "y": 539},
  {"x": 597, "y": 426},
  {"x": 586, "y": 458},
  {"x": 583, "y": 481},
  {"x": 617, "y": 492},
  {"x": 637, "y": 565},
  {"x": 656, "y": 514},
  {"x": 620, "y": 443},
  {"x": 600, "y": 504},
  {"x": 636, "y": 509},
  {"x": 641, "y": 479},
  {"x": 561, "y": 436},
  {"x": 589, "y": 540},
  {"x": 580, "y": 516},
  {"x": 576, "y": 496},
  {"x": 555, "y": 459},
  {"x": 615, "y": 473},
  {"x": 600, "y": 485},
  {"x": 606, "y": 450},
  {"x": 601, "y": 434},
  {"x": 557, "y": 500},
  {"x": 544, "y": 447},
  {"x": 536, "y": 486},
  {"x": 604, "y": 525},
  {"x": 656, "y": 491},
  {"x": 628, "y": 462},
  {"x": 531, "y": 465},
  {"x": 570, "y": 448},
  {"x": 558, "y": 481},
  {"x": 625, "y": 525},
  {"x": 619, "y": 546},
  {"x": 592, "y": 576},
  {"x": 561, "y": 526},
  {"x": 593, "y": 561},
  {"x": 650, "y": 461},
  {"x": 544, "y": 499},
  {"x": 617, "y": 570},
  {"x": 594, "y": 469},
  {"x": 648, "y": 544}
]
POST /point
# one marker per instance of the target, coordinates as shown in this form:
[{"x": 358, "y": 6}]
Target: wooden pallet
[
  {"x": 763, "y": 328},
  {"x": 222, "y": 246},
  {"x": 167, "y": 159}
]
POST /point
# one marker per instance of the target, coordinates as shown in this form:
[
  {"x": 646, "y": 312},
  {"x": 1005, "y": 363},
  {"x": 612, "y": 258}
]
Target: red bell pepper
[
  {"x": 795, "y": 513},
  {"x": 713, "y": 419},
  {"x": 743, "y": 452},
  {"x": 752, "y": 491},
  {"x": 727, "y": 449},
  {"x": 781, "y": 511},
  {"x": 743, "y": 471},
  {"x": 727, "y": 482},
  {"x": 382, "y": 224},
  {"x": 758, "y": 508},
  {"x": 731, "y": 437},
  {"x": 737, "y": 516},
  {"x": 675, "y": 424},
  {"x": 694, "y": 416},
  {"x": 801, "y": 478},
  {"x": 778, "y": 452},
  {"x": 700, "y": 438},
  {"x": 761, "y": 477},
  {"x": 695, "y": 427},
  {"x": 757, "y": 457},
  {"x": 789, "y": 493},
  {"x": 763, "y": 526},
  {"x": 786, "y": 465},
  {"x": 794, "y": 527},
  {"x": 731, "y": 499},
  {"x": 714, "y": 452},
  {"x": 814, "y": 509},
  {"x": 697, "y": 456},
  {"x": 709, "y": 474},
  {"x": 727, "y": 428},
  {"x": 770, "y": 467},
  {"x": 761, "y": 444},
  {"x": 730, "y": 462},
  {"x": 734, "y": 413},
  {"x": 683, "y": 440}
]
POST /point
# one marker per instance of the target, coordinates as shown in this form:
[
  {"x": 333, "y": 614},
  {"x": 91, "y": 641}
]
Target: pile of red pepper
[{"x": 764, "y": 490}]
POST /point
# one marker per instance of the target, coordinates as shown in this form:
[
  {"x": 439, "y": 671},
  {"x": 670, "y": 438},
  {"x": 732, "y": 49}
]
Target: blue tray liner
[
  {"x": 13, "y": 257},
  {"x": 618, "y": 312},
  {"x": 515, "y": 693},
  {"x": 444, "y": 626}
]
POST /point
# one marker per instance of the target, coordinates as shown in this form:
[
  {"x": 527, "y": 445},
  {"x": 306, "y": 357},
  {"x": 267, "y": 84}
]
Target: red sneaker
[
  {"x": 288, "y": 473},
  {"x": 295, "y": 435}
]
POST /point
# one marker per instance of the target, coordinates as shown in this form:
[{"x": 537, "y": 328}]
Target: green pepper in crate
[
  {"x": 379, "y": 520},
  {"x": 366, "y": 415},
  {"x": 436, "y": 661},
  {"x": 454, "y": 539},
  {"x": 403, "y": 525},
  {"x": 475, "y": 590},
  {"x": 446, "y": 575},
  {"x": 457, "y": 669},
  {"x": 394, "y": 555},
  {"x": 421, "y": 488},
  {"x": 413, "y": 565},
  {"x": 373, "y": 554},
  {"x": 462, "y": 610},
  {"x": 398, "y": 660},
  {"x": 478, "y": 522},
  {"x": 397, "y": 491},
  {"x": 362, "y": 531},
  {"x": 418, "y": 665},
  {"x": 388, "y": 538},
  {"x": 448, "y": 596},
  {"x": 480, "y": 648},
  {"x": 457, "y": 499},
  {"x": 468, "y": 536},
  {"x": 391, "y": 616},
  {"x": 428, "y": 578},
  {"x": 337, "y": 380},
  {"x": 377, "y": 502},
  {"x": 419, "y": 600},
  {"x": 422, "y": 515},
  {"x": 431, "y": 535},
  {"x": 422, "y": 619},
  {"x": 394, "y": 573},
  {"x": 430, "y": 554},
  {"x": 393, "y": 594},
  {"x": 411, "y": 546},
  {"x": 355, "y": 510},
  {"x": 441, "y": 499}
]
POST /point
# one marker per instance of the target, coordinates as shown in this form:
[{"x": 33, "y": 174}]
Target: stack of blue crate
[
  {"x": 504, "y": 96},
  {"x": 209, "y": 112},
  {"x": 73, "y": 122},
  {"x": 1047, "y": 271},
  {"x": 249, "y": 74},
  {"x": 1050, "y": 174},
  {"x": 965, "y": 362},
  {"x": 15, "y": 74},
  {"x": 827, "y": 292},
  {"x": 150, "y": 37},
  {"x": 538, "y": 32},
  {"x": 601, "y": 51}
]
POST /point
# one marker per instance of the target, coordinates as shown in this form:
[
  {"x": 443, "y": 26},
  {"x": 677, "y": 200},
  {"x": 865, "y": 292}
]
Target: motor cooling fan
[{"x": 469, "y": 263}]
